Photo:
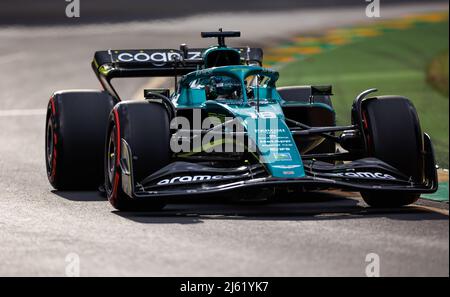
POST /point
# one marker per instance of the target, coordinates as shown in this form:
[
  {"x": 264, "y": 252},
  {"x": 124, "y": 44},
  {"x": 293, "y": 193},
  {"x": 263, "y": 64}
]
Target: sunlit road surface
[{"x": 318, "y": 234}]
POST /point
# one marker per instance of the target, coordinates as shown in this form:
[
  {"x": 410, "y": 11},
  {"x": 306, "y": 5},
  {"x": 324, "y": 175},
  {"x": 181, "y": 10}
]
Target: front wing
[{"x": 185, "y": 179}]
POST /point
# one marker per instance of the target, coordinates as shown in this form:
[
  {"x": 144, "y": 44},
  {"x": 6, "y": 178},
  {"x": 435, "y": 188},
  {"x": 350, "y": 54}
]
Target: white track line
[{"x": 22, "y": 112}]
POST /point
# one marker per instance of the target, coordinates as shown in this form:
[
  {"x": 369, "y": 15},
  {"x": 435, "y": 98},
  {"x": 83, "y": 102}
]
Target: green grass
[
  {"x": 396, "y": 63},
  {"x": 437, "y": 74}
]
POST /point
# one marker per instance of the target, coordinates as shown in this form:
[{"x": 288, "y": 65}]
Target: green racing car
[{"x": 227, "y": 130}]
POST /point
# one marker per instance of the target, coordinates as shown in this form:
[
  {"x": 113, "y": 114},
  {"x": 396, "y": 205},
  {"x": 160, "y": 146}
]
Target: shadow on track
[
  {"x": 86, "y": 196},
  {"x": 312, "y": 206},
  {"x": 316, "y": 206}
]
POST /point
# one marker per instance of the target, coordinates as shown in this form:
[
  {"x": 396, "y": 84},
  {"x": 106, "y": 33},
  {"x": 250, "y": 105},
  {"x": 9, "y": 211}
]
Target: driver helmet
[{"x": 223, "y": 87}]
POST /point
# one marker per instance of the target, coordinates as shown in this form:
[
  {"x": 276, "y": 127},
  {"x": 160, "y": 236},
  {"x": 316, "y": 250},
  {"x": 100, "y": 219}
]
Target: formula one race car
[{"x": 228, "y": 131}]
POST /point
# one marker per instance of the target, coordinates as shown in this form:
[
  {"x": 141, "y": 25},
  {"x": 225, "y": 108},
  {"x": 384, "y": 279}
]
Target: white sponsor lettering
[
  {"x": 125, "y": 57},
  {"x": 201, "y": 177},
  {"x": 142, "y": 57},
  {"x": 194, "y": 55},
  {"x": 187, "y": 178},
  {"x": 375, "y": 175},
  {"x": 267, "y": 115},
  {"x": 286, "y": 166},
  {"x": 159, "y": 58}
]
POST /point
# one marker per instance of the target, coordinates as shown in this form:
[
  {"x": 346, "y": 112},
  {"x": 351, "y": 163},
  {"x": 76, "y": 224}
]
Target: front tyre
[
  {"x": 394, "y": 136},
  {"x": 144, "y": 126}
]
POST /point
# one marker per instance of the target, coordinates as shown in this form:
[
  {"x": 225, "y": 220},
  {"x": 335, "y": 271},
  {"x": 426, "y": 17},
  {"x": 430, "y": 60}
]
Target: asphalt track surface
[{"x": 319, "y": 234}]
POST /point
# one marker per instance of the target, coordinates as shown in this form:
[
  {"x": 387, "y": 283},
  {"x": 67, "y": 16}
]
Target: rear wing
[
  {"x": 158, "y": 62},
  {"x": 111, "y": 64}
]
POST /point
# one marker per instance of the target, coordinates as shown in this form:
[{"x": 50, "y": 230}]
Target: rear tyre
[
  {"x": 144, "y": 126},
  {"x": 394, "y": 136},
  {"x": 74, "y": 138}
]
